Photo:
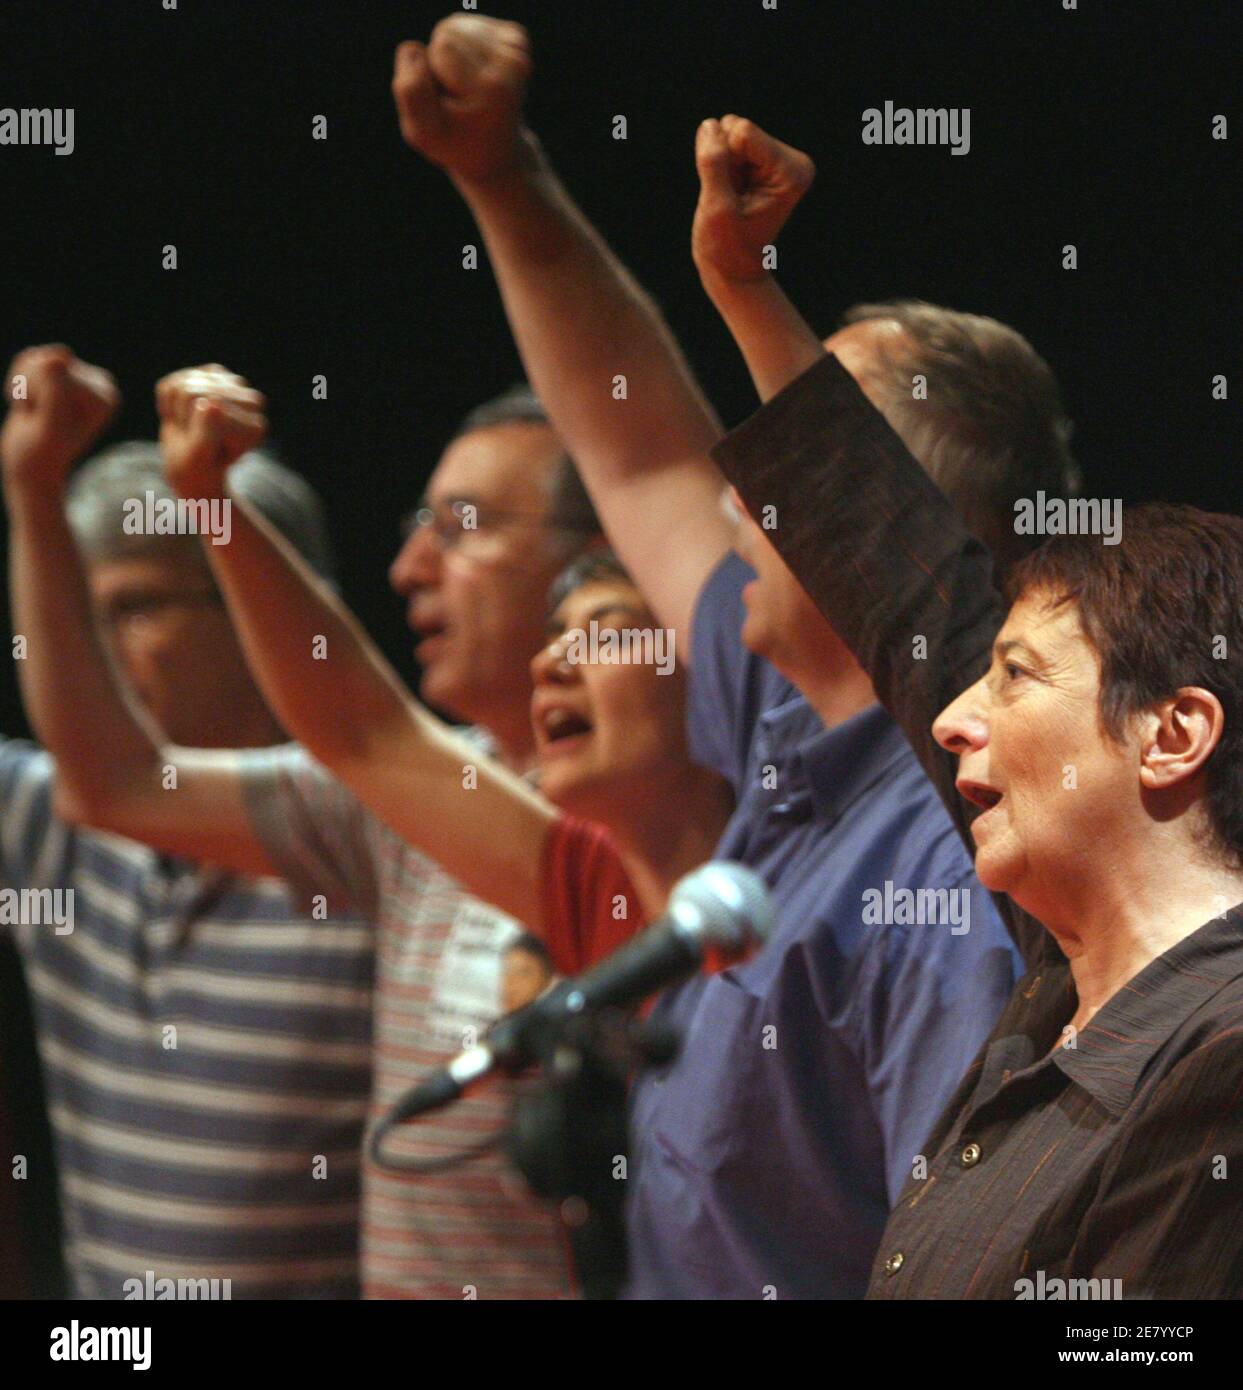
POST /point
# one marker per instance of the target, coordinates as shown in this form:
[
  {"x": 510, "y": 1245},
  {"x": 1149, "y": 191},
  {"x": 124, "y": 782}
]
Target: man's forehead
[
  {"x": 499, "y": 464},
  {"x": 144, "y": 572}
]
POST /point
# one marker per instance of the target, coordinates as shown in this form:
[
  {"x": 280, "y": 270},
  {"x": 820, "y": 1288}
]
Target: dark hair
[
  {"x": 570, "y": 509},
  {"x": 532, "y": 946},
  {"x": 992, "y": 428},
  {"x": 587, "y": 568},
  {"x": 1164, "y": 609},
  {"x": 517, "y": 404}
]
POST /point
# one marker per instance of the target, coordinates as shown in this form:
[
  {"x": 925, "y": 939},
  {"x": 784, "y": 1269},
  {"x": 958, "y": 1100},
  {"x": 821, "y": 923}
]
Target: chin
[
  {"x": 440, "y": 689},
  {"x": 576, "y": 795},
  {"x": 432, "y": 684},
  {"x": 992, "y": 881},
  {"x": 755, "y": 639},
  {"x": 995, "y": 871},
  {"x": 554, "y": 788}
]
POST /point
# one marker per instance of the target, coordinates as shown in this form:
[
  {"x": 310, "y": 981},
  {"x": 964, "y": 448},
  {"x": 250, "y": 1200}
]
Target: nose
[
  {"x": 962, "y": 725},
  {"x": 732, "y": 505},
  {"x": 418, "y": 563},
  {"x": 550, "y": 667}
]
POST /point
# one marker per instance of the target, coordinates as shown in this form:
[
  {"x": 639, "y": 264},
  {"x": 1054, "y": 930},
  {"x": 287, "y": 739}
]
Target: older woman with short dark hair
[{"x": 1090, "y": 747}]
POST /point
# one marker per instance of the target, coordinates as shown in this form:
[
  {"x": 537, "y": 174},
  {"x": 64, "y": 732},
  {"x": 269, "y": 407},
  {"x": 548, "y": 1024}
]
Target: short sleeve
[
  {"x": 320, "y": 837},
  {"x": 590, "y": 905},
  {"x": 729, "y": 687},
  {"x": 26, "y": 820}
]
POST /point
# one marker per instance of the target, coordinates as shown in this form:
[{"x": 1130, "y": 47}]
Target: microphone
[{"x": 720, "y": 905}]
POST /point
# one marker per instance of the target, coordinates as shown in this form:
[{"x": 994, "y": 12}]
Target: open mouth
[
  {"x": 560, "y": 724},
  {"x": 979, "y": 794}
]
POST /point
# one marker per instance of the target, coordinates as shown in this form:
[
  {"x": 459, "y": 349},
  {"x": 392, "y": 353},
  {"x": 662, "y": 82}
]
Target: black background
[{"x": 343, "y": 257}]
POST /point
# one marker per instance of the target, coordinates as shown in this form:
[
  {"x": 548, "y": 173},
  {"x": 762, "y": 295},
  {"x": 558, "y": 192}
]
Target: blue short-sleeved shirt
[{"x": 767, "y": 1156}]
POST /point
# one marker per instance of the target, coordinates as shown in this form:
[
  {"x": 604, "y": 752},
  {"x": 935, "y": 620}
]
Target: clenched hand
[
  {"x": 459, "y": 96},
  {"x": 58, "y": 406},
  {"x": 749, "y": 186},
  {"x": 209, "y": 417}
]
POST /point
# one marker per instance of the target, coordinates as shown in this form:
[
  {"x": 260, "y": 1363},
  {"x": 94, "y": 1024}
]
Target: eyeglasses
[{"x": 459, "y": 519}]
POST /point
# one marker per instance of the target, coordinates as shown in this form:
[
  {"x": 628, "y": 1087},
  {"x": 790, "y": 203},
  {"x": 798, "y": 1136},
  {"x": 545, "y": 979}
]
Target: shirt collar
[
  {"x": 1110, "y": 1054},
  {"x": 836, "y": 765}
]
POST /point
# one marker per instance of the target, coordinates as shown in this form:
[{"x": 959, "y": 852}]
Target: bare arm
[
  {"x": 332, "y": 689},
  {"x": 580, "y": 319},
  {"x": 875, "y": 543},
  {"x": 110, "y": 767},
  {"x": 749, "y": 184}
]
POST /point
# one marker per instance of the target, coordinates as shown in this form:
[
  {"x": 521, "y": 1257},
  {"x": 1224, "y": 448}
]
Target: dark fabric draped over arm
[{"x": 883, "y": 555}]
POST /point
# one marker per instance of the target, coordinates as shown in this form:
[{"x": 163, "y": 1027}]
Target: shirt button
[
  {"x": 894, "y": 1262},
  {"x": 970, "y": 1155}
]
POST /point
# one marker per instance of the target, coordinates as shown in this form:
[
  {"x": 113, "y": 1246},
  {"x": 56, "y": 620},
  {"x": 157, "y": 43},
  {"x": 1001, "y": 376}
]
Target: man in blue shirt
[{"x": 766, "y": 1157}]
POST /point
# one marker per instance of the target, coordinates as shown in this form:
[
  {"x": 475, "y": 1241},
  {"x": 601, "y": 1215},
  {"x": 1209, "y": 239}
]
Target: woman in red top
[{"x": 621, "y": 812}]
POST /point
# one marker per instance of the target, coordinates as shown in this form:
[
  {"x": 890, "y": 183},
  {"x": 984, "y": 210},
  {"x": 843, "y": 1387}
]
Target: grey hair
[
  {"x": 991, "y": 429},
  {"x": 100, "y": 489}
]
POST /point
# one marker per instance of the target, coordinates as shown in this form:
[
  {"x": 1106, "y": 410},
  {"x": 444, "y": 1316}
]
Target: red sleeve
[{"x": 590, "y": 905}]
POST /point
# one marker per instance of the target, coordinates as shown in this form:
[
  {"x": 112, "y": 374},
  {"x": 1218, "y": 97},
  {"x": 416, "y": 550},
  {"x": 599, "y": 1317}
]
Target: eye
[{"x": 1012, "y": 671}]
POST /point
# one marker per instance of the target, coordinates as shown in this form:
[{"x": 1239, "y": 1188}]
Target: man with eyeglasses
[
  {"x": 502, "y": 514},
  {"x": 846, "y": 1035}
]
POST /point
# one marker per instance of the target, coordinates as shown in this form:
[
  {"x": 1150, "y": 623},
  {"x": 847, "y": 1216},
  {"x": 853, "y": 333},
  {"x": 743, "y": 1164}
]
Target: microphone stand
[{"x": 568, "y": 1137}]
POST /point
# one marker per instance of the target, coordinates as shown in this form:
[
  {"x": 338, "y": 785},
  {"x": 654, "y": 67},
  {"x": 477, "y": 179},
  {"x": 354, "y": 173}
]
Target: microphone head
[{"x": 723, "y": 905}]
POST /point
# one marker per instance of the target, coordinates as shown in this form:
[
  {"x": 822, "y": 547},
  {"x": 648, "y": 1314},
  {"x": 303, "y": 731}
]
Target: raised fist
[
  {"x": 749, "y": 184},
  {"x": 57, "y": 407},
  {"x": 459, "y": 97},
  {"x": 209, "y": 417}
]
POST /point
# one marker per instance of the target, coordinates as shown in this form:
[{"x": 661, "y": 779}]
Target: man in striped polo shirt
[
  {"x": 205, "y": 1044},
  {"x": 503, "y": 512}
]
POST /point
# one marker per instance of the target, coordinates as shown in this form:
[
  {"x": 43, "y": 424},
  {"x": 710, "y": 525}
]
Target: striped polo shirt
[
  {"x": 466, "y": 1231},
  {"x": 206, "y": 1058}
]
